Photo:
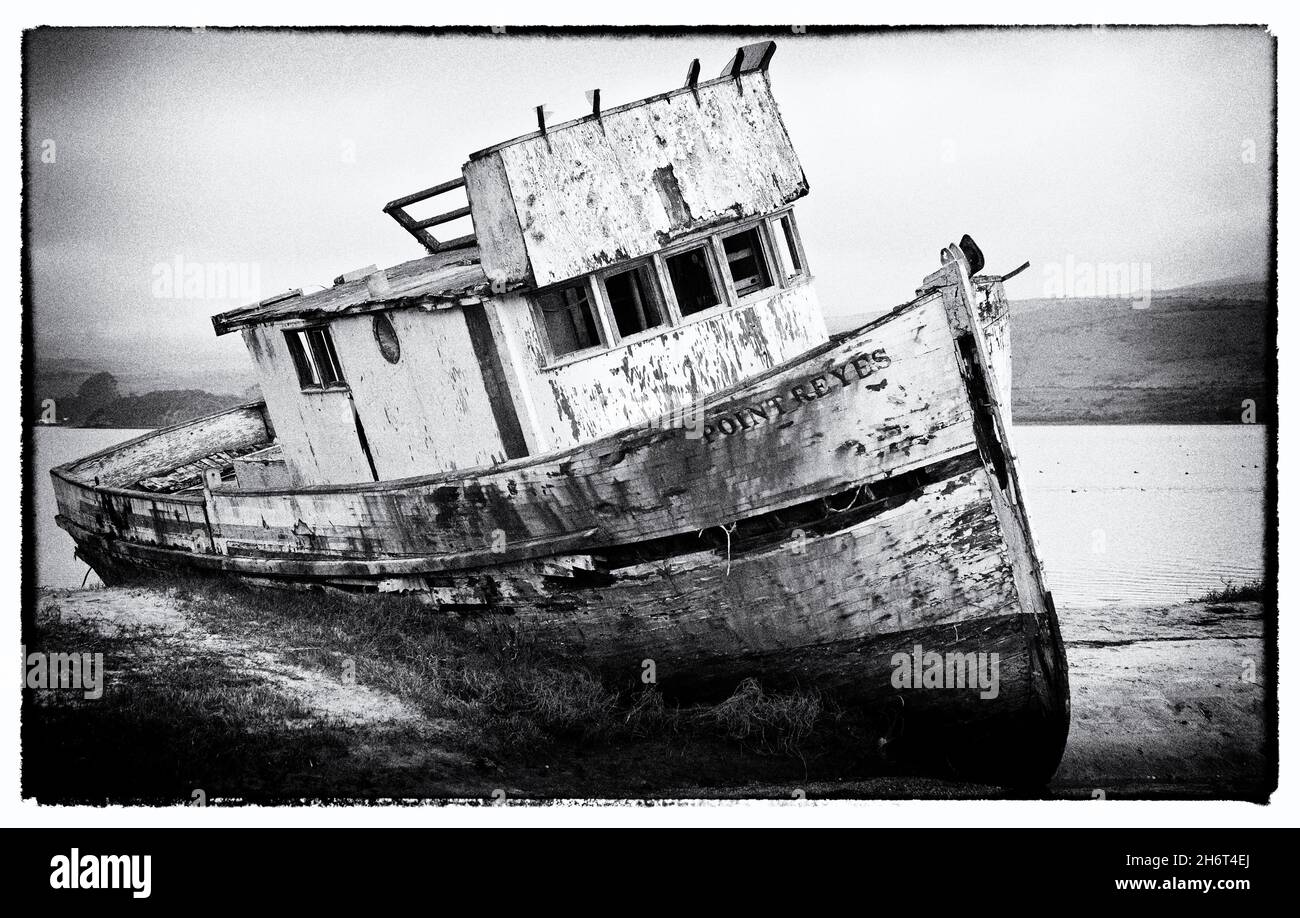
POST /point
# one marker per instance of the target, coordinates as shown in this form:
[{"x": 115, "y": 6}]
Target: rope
[
  {"x": 857, "y": 492},
  {"x": 727, "y": 531}
]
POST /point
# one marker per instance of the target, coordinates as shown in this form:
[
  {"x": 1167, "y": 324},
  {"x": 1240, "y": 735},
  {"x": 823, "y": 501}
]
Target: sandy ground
[
  {"x": 1166, "y": 701},
  {"x": 1164, "y": 697}
]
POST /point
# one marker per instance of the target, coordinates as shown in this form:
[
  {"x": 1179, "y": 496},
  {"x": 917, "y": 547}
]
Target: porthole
[{"x": 386, "y": 336}]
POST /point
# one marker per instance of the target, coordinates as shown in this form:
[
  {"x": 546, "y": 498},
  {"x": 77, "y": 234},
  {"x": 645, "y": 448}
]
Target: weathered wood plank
[
  {"x": 177, "y": 522},
  {"x": 410, "y": 408},
  {"x": 994, "y": 314},
  {"x": 163, "y": 451},
  {"x": 937, "y": 559},
  {"x": 577, "y": 194}
]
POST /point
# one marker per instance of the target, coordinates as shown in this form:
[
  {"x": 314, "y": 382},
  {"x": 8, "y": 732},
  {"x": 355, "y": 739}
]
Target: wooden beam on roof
[
  {"x": 419, "y": 228},
  {"x": 424, "y": 195},
  {"x": 757, "y": 56},
  {"x": 226, "y": 322},
  {"x": 737, "y": 64},
  {"x": 444, "y": 218}
]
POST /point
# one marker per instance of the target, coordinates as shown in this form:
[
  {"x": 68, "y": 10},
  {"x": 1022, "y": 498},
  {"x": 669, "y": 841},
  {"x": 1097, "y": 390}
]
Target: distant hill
[
  {"x": 161, "y": 409},
  {"x": 98, "y": 402},
  {"x": 1192, "y": 356},
  {"x": 175, "y": 371},
  {"x": 1241, "y": 285}
]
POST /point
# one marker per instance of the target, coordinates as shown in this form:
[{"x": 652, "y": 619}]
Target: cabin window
[
  {"x": 314, "y": 358},
  {"x": 634, "y": 301},
  {"x": 568, "y": 319},
  {"x": 787, "y": 246},
  {"x": 692, "y": 280},
  {"x": 746, "y": 262},
  {"x": 386, "y": 338}
]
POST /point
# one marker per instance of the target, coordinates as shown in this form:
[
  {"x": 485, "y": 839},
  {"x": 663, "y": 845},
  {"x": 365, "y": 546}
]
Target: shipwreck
[{"x": 613, "y": 420}]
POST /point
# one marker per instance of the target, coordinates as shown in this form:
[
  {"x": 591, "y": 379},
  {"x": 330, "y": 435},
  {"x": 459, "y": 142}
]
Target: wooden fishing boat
[{"x": 613, "y": 420}]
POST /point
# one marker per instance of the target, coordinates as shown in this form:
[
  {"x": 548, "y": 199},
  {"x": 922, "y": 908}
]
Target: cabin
[{"x": 622, "y": 266}]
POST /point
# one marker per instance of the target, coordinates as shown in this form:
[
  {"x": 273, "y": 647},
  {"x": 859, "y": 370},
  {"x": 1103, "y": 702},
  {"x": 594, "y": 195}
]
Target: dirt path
[{"x": 324, "y": 695}]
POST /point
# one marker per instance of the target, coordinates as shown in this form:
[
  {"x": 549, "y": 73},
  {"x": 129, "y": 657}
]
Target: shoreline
[{"x": 1161, "y": 708}]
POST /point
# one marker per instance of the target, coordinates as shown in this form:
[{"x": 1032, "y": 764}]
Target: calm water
[
  {"x": 55, "y": 565},
  {"x": 1144, "y": 512},
  {"x": 1120, "y": 513}
]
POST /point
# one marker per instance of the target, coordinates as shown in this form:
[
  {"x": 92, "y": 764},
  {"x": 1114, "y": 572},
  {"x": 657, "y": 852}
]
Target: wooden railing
[
  {"x": 96, "y": 493},
  {"x": 420, "y": 228}
]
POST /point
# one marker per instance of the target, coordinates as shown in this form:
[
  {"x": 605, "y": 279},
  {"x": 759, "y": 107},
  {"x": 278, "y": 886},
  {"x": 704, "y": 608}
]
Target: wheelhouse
[{"x": 622, "y": 266}]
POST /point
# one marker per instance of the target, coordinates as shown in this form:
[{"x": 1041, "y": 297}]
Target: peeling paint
[{"x": 729, "y": 156}]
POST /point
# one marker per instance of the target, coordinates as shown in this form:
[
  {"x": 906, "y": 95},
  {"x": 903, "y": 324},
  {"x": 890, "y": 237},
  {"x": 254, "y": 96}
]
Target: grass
[
  {"x": 509, "y": 692},
  {"x": 502, "y": 693},
  {"x": 498, "y": 712},
  {"x": 1249, "y": 591},
  {"x": 778, "y": 723}
]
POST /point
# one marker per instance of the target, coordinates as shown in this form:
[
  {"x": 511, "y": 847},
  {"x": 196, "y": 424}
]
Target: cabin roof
[{"x": 451, "y": 278}]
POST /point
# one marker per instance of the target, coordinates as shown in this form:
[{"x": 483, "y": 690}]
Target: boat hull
[{"x": 849, "y": 522}]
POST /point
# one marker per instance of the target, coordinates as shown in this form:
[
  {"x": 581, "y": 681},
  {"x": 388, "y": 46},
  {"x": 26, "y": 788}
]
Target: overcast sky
[{"x": 276, "y": 151}]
